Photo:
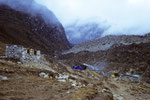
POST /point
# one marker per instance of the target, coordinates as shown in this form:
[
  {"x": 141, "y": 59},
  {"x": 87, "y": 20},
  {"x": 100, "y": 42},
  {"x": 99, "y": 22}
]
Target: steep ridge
[
  {"x": 107, "y": 42},
  {"x": 24, "y": 28}
]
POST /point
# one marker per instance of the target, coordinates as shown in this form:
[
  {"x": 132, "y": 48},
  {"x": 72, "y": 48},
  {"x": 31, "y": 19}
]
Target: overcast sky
[{"x": 124, "y": 16}]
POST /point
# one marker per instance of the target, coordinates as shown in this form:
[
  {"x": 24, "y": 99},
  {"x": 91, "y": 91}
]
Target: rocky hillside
[
  {"x": 26, "y": 82},
  {"x": 107, "y": 42},
  {"x": 32, "y": 29},
  {"x": 133, "y": 58}
]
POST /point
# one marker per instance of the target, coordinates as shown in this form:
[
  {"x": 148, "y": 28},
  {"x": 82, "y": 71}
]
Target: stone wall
[{"x": 22, "y": 54}]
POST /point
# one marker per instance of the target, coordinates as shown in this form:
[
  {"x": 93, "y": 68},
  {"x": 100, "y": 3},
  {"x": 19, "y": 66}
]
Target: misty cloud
[
  {"x": 111, "y": 16},
  {"x": 124, "y": 16},
  {"x": 31, "y": 7},
  {"x": 84, "y": 31}
]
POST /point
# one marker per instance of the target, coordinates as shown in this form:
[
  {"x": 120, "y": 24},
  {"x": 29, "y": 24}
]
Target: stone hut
[{"x": 22, "y": 54}]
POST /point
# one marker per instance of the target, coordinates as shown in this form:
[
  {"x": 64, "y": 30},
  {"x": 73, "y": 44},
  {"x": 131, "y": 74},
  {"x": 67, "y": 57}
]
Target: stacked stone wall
[{"x": 23, "y": 54}]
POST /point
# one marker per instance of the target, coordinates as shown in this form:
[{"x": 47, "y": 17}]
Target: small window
[
  {"x": 28, "y": 51},
  {"x": 35, "y": 52}
]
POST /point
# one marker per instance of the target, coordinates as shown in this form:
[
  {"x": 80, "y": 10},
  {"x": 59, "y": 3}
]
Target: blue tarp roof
[{"x": 77, "y": 67}]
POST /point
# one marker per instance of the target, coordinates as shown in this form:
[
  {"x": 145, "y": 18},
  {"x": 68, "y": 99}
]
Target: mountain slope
[
  {"x": 108, "y": 42},
  {"x": 133, "y": 58},
  {"x": 23, "y": 28}
]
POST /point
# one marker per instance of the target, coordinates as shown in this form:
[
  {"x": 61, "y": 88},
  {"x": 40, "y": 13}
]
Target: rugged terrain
[
  {"x": 111, "y": 61},
  {"x": 23, "y": 82},
  {"x": 133, "y": 58},
  {"x": 107, "y": 42},
  {"x": 33, "y": 31}
]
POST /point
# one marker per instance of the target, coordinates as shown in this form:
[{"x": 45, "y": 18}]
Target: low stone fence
[{"x": 2, "y": 57}]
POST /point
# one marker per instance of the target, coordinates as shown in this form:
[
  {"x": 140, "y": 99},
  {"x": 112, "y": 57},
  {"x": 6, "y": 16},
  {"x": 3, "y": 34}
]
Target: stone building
[{"x": 22, "y": 54}]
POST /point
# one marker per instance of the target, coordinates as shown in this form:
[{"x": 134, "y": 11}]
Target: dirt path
[{"x": 123, "y": 90}]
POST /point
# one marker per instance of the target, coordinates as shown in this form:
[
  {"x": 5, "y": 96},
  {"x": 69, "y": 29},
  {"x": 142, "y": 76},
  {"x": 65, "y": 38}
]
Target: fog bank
[
  {"x": 100, "y": 17},
  {"x": 124, "y": 16}
]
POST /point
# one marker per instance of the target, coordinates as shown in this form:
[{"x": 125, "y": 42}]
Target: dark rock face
[{"x": 32, "y": 30}]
